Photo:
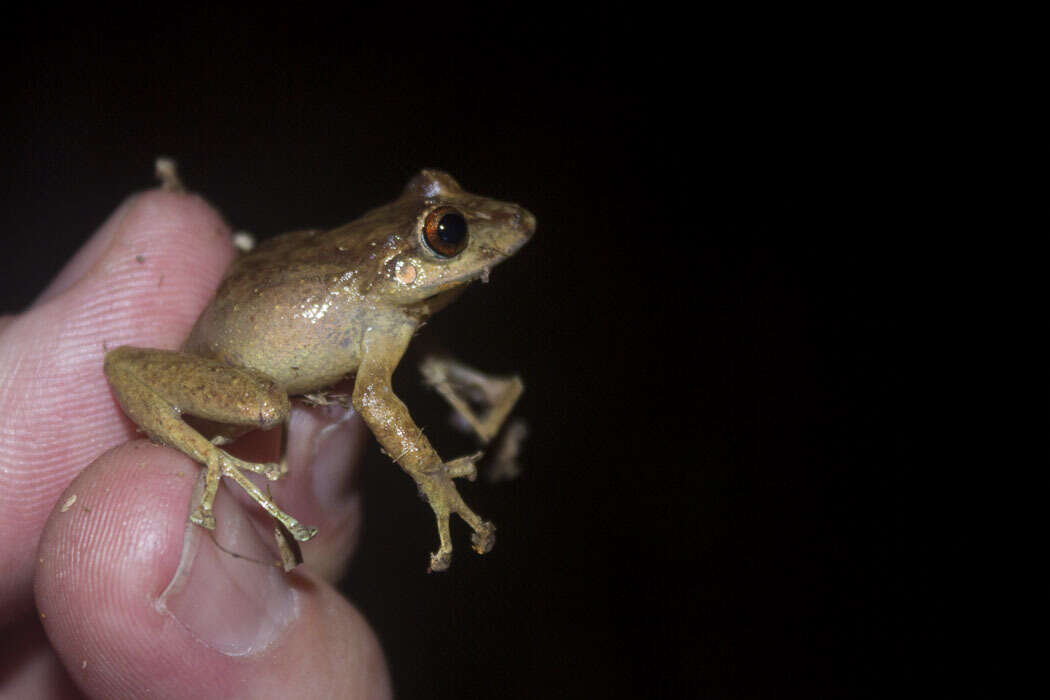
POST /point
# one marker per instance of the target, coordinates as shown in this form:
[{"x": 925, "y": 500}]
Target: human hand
[{"x": 116, "y": 614}]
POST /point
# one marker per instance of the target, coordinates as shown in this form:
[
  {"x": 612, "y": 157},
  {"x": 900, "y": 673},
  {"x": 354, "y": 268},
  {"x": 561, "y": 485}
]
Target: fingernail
[
  {"x": 235, "y": 601},
  {"x": 328, "y": 439}
]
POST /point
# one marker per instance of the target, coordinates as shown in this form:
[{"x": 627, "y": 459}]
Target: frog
[{"x": 306, "y": 310}]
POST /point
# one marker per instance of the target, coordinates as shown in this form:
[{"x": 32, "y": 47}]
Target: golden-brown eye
[{"x": 445, "y": 232}]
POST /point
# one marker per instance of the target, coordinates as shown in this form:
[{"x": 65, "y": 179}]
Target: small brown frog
[{"x": 307, "y": 309}]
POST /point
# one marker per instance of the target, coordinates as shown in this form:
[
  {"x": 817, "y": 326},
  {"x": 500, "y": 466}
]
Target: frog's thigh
[
  {"x": 197, "y": 386},
  {"x": 155, "y": 387}
]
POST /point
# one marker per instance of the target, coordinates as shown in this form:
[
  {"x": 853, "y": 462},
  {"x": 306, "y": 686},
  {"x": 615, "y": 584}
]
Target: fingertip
[
  {"x": 165, "y": 216},
  {"x": 106, "y": 550},
  {"x": 113, "y": 531}
]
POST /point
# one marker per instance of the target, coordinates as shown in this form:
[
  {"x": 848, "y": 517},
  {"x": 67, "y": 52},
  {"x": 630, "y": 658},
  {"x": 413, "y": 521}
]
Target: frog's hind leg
[
  {"x": 461, "y": 386},
  {"x": 155, "y": 387}
]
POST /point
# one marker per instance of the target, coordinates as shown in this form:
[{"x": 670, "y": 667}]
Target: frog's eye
[{"x": 445, "y": 232}]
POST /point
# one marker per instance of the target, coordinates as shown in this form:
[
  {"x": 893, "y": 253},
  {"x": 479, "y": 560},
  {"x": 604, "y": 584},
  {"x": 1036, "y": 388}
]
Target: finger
[
  {"x": 142, "y": 279},
  {"x": 226, "y": 627},
  {"x": 325, "y": 448}
]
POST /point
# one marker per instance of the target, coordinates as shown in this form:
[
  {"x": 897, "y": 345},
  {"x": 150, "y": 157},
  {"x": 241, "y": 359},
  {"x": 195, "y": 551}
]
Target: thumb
[{"x": 131, "y": 611}]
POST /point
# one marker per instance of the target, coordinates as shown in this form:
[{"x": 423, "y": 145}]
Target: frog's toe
[
  {"x": 464, "y": 467},
  {"x": 205, "y": 520},
  {"x": 484, "y": 537},
  {"x": 274, "y": 470},
  {"x": 440, "y": 561},
  {"x": 301, "y": 532}
]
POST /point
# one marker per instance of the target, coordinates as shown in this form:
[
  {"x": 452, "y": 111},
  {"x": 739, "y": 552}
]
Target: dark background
[{"x": 708, "y": 320}]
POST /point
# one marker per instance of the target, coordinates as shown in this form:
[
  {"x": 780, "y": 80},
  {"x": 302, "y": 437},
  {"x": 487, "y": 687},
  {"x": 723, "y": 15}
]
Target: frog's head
[{"x": 447, "y": 239}]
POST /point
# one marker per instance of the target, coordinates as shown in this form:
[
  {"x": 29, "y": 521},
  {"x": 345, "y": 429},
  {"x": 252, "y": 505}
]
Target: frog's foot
[
  {"x": 271, "y": 470},
  {"x": 168, "y": 174},
  {"x": 481, "y": 400},
  {"x": 482, "y": 540},
  {"x": 221, "y": 463},
  {"x": 204, "y": 519},
  {"x": 299, "y": 531},
  {"x": 464, "y": 467},
  {"x": 445, "y": 500}
]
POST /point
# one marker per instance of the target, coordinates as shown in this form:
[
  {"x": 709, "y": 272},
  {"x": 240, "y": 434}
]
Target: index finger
[{"x": 142, "y": 278}]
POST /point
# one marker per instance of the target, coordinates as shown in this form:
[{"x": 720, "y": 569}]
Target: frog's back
[{"x": 298, "y": 306}]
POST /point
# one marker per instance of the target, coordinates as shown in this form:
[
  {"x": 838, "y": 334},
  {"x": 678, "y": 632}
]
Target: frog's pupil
[{"x": 452, "y": 228}]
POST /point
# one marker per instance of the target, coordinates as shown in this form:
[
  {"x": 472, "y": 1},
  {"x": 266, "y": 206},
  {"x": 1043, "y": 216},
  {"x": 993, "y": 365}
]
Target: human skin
[{"x": 90, "y": 603}]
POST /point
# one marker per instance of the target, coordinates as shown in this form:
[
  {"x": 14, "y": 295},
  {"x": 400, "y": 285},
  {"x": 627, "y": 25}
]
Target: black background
[{"x": 707, "y": 320}]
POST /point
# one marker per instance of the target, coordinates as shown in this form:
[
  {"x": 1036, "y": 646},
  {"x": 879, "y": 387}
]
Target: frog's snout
[
  {"x": 517, "y": 219},
  {"x": 526, "y": 222},
  {"x": 521, "y": 222}
]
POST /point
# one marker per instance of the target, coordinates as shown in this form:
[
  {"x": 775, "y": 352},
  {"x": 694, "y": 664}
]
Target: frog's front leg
[
  {"x": 155, "y": 387},
  {"x": 390, "y": 422}
]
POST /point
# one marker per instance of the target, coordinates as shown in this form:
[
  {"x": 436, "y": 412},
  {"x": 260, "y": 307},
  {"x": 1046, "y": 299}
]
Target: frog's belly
[{"x": 302, "y": 354}]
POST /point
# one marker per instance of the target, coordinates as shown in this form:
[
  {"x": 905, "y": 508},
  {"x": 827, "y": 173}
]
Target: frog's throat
[{"x": 436, "y": 302}]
